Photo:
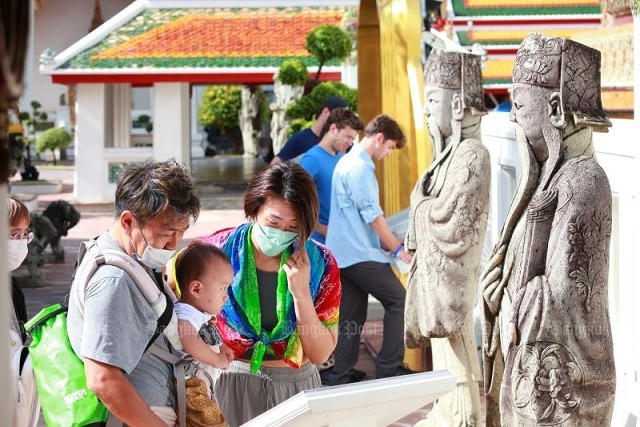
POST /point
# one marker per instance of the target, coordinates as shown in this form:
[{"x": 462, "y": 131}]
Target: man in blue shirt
[
  {"x": 357, "y": 235},
  {"x": 303, "y": 140},
  {"x": 341, "y": 129}
]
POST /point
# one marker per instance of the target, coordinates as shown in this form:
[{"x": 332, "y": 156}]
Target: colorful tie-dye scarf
[{"x": 240, "y": 321}]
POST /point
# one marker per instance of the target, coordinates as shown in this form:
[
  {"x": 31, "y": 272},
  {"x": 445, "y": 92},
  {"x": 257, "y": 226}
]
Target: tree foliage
[
  {"x": 327, "y": 43},
  {"x": 293, "y": 72},
  {"x": 219, "y": 107},
  {"x": 51, "y": 139},
  {"x": 308, "y": 106}
]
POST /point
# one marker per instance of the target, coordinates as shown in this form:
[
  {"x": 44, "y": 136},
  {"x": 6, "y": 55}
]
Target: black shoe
[
  {"x": 404, "y": 370},
  {"x": 329, "y": 377},
  {"x": 400, "y": 370},
  {"x": 357, "y": 374}
]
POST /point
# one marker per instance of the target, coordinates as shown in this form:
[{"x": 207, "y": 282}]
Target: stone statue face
[
  {"x": 437, "y": 108},
  {"x": 530, "y": 110}
]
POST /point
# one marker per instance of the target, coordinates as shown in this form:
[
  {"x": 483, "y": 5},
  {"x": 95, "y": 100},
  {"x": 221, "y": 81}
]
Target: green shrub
[
  {"x": 219, "y": 107},
  {"x": 293, "y": 72},
  {"x": 308, "y": 106},
  {"x": 51, "y": 139},
  {"x": 327, "y": 43}
]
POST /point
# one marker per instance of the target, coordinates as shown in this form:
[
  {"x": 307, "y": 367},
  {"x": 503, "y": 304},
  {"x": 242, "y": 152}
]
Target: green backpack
[{"x": 60, "y": 376}]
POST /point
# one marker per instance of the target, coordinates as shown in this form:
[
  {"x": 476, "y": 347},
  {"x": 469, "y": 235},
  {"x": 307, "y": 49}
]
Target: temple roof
[
  {"x": 190, "y": 40},
  {"x": 524, "y": 7},
  {"x": 500, "y": 26}
]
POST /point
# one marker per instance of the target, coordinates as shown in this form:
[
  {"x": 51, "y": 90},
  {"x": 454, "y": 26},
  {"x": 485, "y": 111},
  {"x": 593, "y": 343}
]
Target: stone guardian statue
[
  {"x": 547, "y": 346},
  {"x": 447, "y": 224}
]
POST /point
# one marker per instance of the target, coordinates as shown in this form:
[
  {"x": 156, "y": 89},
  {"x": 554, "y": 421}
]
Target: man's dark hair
[
  {"x": 388, "y": 127},
  {"x": 150, "y": 188},
  {"x": 343, "y": 117},
  {"x": 291, "y": 183},
  {"x": 332, "y": 102}
]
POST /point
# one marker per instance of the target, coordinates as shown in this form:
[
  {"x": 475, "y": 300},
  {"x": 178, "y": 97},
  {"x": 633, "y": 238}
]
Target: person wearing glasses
[{"x": 19, "y": 238}]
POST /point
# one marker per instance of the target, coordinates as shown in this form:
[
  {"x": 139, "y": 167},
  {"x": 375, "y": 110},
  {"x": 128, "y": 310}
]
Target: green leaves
[
  {"x": 219, "y": 107},
  {"x": 328, "y": 42},
  {"x": 309, "y": 106},
  {"x": 293, "y": 72},
  {"x": 51, "y": 139}
]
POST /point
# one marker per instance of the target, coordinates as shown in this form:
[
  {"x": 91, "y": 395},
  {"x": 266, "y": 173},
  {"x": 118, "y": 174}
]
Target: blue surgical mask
[{"x": 272, "y": 241}]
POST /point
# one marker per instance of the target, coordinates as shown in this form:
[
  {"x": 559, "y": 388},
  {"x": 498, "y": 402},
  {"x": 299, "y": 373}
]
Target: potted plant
[{"x": 30, "y": 122}]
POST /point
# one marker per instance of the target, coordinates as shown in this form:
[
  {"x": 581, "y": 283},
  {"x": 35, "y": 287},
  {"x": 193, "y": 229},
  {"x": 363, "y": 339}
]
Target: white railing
[{"x": 368, "y": 403}]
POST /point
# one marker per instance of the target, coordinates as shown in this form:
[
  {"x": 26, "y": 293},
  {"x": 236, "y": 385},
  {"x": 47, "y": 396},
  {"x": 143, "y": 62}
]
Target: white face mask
[
  {"x": 154, "y": 258},
  {"x": 16, "y": 253}
]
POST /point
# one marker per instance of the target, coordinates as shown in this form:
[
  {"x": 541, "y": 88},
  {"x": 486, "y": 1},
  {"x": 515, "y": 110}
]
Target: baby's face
[{"x": 215, "y": 282}]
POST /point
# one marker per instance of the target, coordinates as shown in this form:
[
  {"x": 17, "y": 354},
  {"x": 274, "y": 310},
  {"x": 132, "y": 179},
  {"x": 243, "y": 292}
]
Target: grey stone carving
[
  {"x": 447, "y": 223},
  {"x": 547, "y": 345},
  {"x": 48, "y": 228}
]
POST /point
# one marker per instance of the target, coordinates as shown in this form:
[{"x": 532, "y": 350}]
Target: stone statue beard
[
  {"x": 437, "y": 139},
  {"x": 553, "y": 137}
]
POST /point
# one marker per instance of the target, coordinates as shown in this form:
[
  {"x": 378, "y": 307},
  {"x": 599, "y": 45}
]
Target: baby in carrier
[{"x": 201, "y": 274}]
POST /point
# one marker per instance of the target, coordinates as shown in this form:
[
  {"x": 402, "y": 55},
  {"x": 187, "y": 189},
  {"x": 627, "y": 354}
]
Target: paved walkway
[{"x": 222, "y": 203}]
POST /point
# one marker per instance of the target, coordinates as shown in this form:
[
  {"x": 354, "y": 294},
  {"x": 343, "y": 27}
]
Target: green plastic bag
[{"x": 60, "y": 377}]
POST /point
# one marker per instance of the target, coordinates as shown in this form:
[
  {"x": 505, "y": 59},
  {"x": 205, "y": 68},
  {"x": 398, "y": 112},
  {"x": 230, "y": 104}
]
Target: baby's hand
[{"x": 227, "y": 353}]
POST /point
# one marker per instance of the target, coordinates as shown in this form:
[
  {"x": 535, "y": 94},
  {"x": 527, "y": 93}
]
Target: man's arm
[
  {"x": 320, "y": 229},
  {"x": 118, "y": 394},
  {"x": 387, "y": 239}
]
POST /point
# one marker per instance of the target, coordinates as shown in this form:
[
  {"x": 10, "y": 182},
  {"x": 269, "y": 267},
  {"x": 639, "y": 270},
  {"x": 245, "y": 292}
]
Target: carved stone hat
[
  {"x": 571, "y": 67},
  {"x": 458, "y": 71}
]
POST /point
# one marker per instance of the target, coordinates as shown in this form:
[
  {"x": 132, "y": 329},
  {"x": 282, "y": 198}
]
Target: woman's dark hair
[
  {"x": 148, "y": 189},
  {"x": 291, "y": 183},
  {"x": 193, "y": 261}
]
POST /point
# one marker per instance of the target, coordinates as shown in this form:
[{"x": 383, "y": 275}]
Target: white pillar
[
  {"x": 6, "y": 396},
  {"x": 171, "y": 134},
  {"x": 92, "y": 119},
  {"x": 122, "y": 115},
  {"x": 198, "y": 135}
]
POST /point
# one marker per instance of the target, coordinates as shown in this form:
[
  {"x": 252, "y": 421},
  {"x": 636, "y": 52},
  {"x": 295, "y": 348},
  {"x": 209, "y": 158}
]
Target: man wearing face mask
[
  {"x": 155, "y": 204},
  {"x": 19, "y": 238}
]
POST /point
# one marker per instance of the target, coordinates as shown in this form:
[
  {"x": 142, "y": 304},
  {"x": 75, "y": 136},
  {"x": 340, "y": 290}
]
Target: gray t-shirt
[{"x": 116, "y": 328}]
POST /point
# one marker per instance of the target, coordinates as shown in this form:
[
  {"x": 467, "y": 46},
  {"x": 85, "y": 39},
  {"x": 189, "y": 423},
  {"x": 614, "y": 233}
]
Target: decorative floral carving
[
  {"x": 546, "y": 383},
  {"x": 589, "y": 254}
]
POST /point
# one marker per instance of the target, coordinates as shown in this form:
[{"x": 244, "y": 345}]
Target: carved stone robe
[
  {"x": 561, "y": 372},
  {"x": 447, "y": 225},
  {"x": 446, "y": 233}
]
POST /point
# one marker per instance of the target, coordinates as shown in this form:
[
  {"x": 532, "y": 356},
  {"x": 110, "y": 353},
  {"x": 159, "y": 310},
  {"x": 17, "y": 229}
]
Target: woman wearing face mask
[
  {"x": 19, "y": 238},
  {"x": 282, "y": 312}
]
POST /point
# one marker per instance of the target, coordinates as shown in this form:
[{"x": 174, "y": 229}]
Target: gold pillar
[{"x": 389, "y": 52}]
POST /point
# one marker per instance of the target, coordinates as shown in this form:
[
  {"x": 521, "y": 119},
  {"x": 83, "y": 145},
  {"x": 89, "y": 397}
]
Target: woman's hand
[{"x": 298, "y": 272}]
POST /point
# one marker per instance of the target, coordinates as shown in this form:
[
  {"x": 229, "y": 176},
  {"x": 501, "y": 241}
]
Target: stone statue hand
[{"x": 490, "y": 280}]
